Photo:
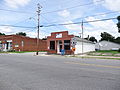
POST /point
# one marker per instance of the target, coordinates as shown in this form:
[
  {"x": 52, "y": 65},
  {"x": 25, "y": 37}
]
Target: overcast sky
[{"x": 60, "y": 11}]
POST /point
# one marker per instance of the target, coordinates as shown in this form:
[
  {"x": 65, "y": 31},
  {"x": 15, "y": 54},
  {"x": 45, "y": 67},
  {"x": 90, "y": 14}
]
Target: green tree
[
  {"x": 2, "y": 33},
  {"x": 118, "y": 24},
  {"x": 106, "y": 36},
  {"x": 117, "y": 40},
  {"x": 21, "y": 33},
  {"x": 93, "y": 39}
]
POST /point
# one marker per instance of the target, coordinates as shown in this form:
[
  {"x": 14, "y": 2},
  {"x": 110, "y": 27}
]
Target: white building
[
  {"x": 82, "y": 45},
  {"x": 107, "y": 45}
]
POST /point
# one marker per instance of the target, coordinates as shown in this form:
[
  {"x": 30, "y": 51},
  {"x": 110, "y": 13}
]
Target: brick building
[
  {"x": 58, "y": 41},
  {"x": 21, "y": 43},
  {"x": 53, "y": 45},
  {"x": 62, "y": 40}
]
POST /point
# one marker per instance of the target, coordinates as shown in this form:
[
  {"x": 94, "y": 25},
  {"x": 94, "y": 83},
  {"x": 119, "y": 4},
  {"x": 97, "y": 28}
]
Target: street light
[{"x": 38, "y": 13}]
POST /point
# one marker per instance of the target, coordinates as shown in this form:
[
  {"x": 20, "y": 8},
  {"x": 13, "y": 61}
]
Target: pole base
[{"x": 36, "y": 53}]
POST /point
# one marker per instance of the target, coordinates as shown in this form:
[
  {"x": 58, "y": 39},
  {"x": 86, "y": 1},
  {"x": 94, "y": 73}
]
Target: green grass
[
  {"x": 107, "y": 51},
  {"x": 3, "y": 52},
  {"x": 103, "y": 58}
]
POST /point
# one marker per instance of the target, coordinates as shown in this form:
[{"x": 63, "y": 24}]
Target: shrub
[{"x": 119, "y": 50}]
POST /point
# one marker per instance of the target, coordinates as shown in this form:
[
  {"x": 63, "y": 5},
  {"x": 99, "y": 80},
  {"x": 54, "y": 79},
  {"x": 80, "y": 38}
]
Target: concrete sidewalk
[
  {"x": 102, "y": 57},
  {"x": 29, "y": 53},
  {"x": 79, "y": 56}
]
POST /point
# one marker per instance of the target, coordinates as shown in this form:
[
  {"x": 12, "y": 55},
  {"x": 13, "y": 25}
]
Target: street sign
[
  {"x": 59, "y": 35},
  {"x": 73, "y": 49}
]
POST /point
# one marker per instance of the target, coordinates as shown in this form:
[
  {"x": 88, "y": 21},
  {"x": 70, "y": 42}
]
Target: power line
[
  {"x": 25, "y": 20},
  {"x": 100, "y": 20},
  {"x": 53, "y": 10},
  {"x": 16, "y": 11},
  {"x": 105, "y": 13},
  {"x": 62, "y": 24},
  {"x": 100, "y": 14},
  {"x": 48, "y": 21},
  {"x": 18, "y": 26},
  {"x": 78, "y": 22},
  {"x": 73, "y": 7}
]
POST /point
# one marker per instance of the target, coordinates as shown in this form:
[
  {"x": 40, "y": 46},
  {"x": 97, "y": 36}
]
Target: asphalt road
[{"x": 26, "y": 72}]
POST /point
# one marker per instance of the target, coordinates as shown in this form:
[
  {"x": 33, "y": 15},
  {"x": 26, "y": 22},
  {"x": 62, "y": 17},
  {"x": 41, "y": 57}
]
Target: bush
[{"x": 119, "y": 50}]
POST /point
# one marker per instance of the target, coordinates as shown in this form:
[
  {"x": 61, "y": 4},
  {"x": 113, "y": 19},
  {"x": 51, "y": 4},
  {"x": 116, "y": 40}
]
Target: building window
[
  {"x": 67, "y": 44},
  {"x": 22, "y": 43},
  {"x": 7, "y": 45},
  {"x": 52, "y": 45},
  {"x": 10, "y": 45}
]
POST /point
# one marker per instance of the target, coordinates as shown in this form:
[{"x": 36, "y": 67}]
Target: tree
[
  {"x": 2, "y": 33},
  {"x": 93, "y": 39},
  {"x": 21, "y": 33},
  {"x": 117, "y": 40},
  {"x": 106, "y": 36},
  {"x": 118, "y": 24}
]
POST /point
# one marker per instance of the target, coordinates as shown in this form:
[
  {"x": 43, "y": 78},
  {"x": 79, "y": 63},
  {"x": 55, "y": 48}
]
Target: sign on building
[
  {"x": 73, "y": 42},
  {"x": 16, "y": 45},
  {"x": 59, "y": 35}
]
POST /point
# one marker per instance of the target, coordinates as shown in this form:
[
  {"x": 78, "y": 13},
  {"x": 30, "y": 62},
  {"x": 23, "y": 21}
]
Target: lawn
[
  {"x": 108, "y": 51},
  {"x": 105, "y": 53}
]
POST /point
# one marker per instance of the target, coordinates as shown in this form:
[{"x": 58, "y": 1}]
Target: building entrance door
[
  {"x": 59, "y": 47},
  {"x": 4, "y": 47},
  {"x": 7, "y": 46}
]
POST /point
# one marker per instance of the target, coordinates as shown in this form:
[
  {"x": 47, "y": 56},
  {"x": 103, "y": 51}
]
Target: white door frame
[{"x": 58, "y": 46}]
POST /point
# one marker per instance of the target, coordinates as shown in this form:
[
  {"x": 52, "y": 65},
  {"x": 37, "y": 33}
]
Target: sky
[{"x": 23, "y": 13}]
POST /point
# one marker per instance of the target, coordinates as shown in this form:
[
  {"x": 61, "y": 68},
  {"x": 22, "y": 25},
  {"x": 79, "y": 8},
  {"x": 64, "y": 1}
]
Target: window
[
  {"x": 10, "y": 45},
  {"x": 67, "y": 44},
  {"x": 52, "y": 45},
  {"x": 22, "y": 43},
  {"x": 7, "y": 45}
]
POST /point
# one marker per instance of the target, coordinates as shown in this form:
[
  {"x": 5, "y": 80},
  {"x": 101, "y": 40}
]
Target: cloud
[
  {"x": 33, "y": 34},
  {"x": 64, "y": 13},
  {"x": 6, "y": 29},
  {"x": 95, "y": 28},
  {"x": 75, "y": 27},
  {"x": 16, "y": 3},
  {"x": 111, "y": 4}
]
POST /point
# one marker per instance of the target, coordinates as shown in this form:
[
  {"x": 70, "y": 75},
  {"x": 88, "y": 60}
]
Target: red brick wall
[
  {"x": 30, "y": 44},
  {"x": 65, "y": 36}
]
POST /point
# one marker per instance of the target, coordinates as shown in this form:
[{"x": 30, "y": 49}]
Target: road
[{"x": 27, "y": 72}]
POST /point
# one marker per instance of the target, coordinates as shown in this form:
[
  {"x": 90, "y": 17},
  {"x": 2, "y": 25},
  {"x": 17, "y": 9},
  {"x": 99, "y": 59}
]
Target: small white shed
[
  {"x": 82, "y": 45},
  {"x": 107, "y": 45}
]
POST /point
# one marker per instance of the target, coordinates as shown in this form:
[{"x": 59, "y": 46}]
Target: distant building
[
  {"x": 84, "y": 44},
  {"x": 21, "y": 43},
  {"x": 62, "y": 40},
  {"x": 107, "y": 45}
]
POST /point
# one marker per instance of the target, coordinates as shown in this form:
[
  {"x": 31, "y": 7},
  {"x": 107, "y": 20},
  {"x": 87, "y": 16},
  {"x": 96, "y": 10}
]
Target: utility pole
[
  {"x": 38, "y": 13},
  {"x": 82, "y": 36}
]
